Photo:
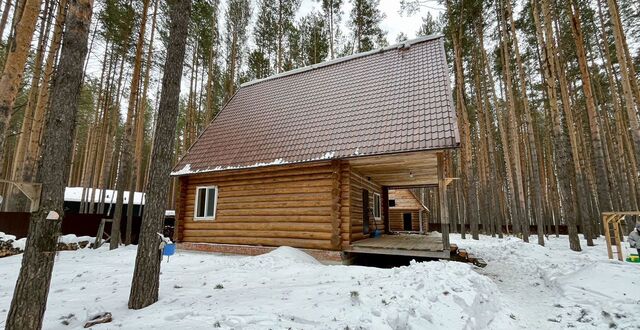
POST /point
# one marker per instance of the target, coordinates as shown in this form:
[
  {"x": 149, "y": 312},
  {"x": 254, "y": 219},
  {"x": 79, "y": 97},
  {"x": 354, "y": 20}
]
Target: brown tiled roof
[{"x": 393, "y": 100}]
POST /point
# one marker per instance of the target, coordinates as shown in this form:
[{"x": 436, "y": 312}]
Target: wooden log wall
[
  {"x": 297, "y": 206},
  {"x": 357, "y": 183},
  {"x": 406, "y": 201},
  {"x": 396, "y": 219}
]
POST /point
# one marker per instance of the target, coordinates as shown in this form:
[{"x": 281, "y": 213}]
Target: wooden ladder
[
  {"x": 100, "y": 236},
  {"x": 613, "y": 233}
]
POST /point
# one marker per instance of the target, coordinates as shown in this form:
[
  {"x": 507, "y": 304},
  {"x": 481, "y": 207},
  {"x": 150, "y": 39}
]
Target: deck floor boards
[{"x": 403, "y": 244}]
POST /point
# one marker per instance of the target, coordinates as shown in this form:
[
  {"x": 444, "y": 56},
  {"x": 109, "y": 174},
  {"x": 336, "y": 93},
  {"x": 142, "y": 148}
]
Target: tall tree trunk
[
  {"x": 35, "y": 133},
  {"x": 125, "y": 165},
  {"x": 142, "y": 106},
  {"x": 513, "y": 133},
  {"x": 16, "y": 59},
  {"x": 25, "y": 131},
  {"x": 602, "y": 181},
  {"x": 626, "y": 77},
  {"x": 531, "y": 140},
  {"x": 146, "y": 275},
  {"x": 32, "y": 288},
  {"x": 466, "y": 155},
  {"x": 562, "y": 153}
]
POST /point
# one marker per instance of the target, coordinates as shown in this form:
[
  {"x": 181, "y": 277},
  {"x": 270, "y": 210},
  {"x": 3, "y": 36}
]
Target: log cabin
[
  {"x": 306, "y": 158},
  {"x": 407, "y": 213}
]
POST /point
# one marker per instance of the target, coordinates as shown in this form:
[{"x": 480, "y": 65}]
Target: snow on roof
[
  {"x": 74, "y": 194},
  {"x": 187, "y": 168}
]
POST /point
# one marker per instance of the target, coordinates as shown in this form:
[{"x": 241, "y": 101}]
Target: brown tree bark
[
  {"x": 531, "y": 140},
  {"x": 16, "y": 59},
  {"x": 562, "y": 153},
  {"x": 33, "y": 148},
  {"x": 602, "y": 181},
  {"x": 125, "y": 165},
  {"x": 146, "y": 275},
  {"x": 626, "y": 77},
  {"x": 515, "y": 154},
  {"x": 25, "y": 131},
  {"x": 32, "y": 288},
  {"x": 142, "y": 106},
  {"x": 466, "y": 155}
]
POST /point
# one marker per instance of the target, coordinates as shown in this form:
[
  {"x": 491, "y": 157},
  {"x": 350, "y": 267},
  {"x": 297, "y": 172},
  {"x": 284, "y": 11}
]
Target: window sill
[{"x": 204, "y": 219}]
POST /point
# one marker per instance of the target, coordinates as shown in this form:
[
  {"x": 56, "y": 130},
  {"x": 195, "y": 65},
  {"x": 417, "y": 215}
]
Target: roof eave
[{"x": 183, "y": 172}]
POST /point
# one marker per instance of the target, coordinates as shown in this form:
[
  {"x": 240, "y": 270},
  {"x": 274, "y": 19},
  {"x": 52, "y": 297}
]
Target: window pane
[
  {"x": 200, "y": 202},
  {"x": 211, "y": 198}
]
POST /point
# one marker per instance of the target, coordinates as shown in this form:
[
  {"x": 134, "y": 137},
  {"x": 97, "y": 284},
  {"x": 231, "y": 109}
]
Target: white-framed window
[
  {"x": 377, "y": 205},
  {"x": 206, "y": 203}
]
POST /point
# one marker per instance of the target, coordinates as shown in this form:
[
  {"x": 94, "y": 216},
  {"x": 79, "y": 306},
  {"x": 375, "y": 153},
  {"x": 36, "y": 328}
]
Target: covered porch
[
  {"x": 412, "y": 245},
  {"x": 426, "y": 169}
]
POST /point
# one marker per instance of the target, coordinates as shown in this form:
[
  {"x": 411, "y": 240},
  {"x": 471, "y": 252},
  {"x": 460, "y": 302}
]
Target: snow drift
[{"x": 282, "y": 289}]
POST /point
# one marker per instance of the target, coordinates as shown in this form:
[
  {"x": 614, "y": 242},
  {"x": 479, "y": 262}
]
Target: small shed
[
  {"x": 307, "y": 158},
  {"x": 406, "y": 212}
]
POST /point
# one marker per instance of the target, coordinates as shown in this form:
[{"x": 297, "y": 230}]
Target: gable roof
[{"x": 392, "y": 100}]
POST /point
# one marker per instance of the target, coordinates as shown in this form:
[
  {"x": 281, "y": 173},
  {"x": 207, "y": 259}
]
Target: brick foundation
[{"x": 251, "y": 250}]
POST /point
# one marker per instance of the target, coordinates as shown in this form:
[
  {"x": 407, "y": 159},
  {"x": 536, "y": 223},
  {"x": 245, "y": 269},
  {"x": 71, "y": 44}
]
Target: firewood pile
[{"x": 7, "y": 249}]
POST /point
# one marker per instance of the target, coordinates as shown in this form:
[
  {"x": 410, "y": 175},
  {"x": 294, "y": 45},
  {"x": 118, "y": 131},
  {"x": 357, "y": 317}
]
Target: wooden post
[
  {"x": 616, "y": 230},
  {"x": 444, "y": 211},
  {"x": 607, "y": 235},
  {"x": 385, "y": 209}
]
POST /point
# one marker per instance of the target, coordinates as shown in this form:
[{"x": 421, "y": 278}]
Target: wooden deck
[{"x": 427, "y": 246}]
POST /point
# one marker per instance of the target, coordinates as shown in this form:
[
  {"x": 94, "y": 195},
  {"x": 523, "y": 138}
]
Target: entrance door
[
  {"x": 365, "y": 211},
  {"x": 406, "y": 219}
]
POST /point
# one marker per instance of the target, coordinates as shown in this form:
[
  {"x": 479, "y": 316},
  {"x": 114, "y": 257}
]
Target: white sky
[{"x": 393, "y": 23}]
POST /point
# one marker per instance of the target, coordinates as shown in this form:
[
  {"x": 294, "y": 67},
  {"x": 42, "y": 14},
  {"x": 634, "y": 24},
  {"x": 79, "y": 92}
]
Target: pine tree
[
  {"x": 146, "y": 275},
  {"x": 32, "y": 288},
  {"x": 365, "y": 22},
  {"x": 430, "y": 26},
  {"x": 14, "y": 65},
  {"x": 314, "y": 41},
  {"x": 236, "y": 23},
  {"x": 259, "y": 65},
  {"x": 125, "y": 167},
  {"x": 332, "y": 16}
]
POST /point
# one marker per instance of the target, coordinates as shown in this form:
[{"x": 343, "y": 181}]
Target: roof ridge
[{"x": 404, "y": 44}]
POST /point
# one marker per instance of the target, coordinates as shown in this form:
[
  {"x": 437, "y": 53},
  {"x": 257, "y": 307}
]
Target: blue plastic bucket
[
  {"x": 377, "y": 233},
  {"x": 169, "y": 250}
]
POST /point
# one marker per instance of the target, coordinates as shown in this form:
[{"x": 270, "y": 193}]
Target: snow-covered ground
[
  {"x": 553, "y": 287},
  {"x": 524, "y": 286}
]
